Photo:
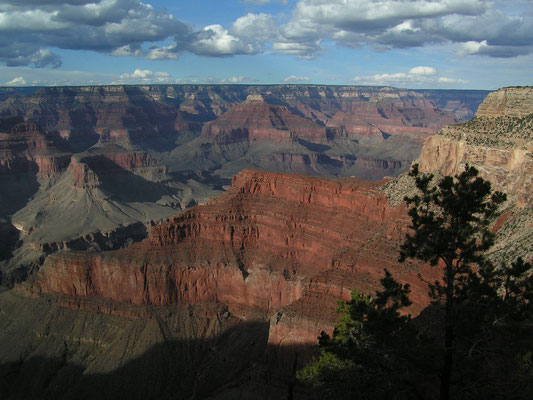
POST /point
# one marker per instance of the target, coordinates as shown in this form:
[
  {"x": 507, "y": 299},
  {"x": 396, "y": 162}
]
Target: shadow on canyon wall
[
  {"x": 17, "y": 190},
  {"x": 122, "y": 184},
  {"x": 237, "y": 364}
]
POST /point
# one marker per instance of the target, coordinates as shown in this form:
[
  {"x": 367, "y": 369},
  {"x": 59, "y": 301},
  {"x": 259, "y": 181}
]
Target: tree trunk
[{"x": 449, "y": 336}]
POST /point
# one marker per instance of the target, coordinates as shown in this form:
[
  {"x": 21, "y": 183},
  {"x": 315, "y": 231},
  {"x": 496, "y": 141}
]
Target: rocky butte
[
  {"x": 222, "y": 300},
  {"x": 117, "y": 159}
]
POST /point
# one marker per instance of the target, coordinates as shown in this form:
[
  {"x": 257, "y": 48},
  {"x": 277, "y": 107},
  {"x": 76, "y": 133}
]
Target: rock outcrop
[
  {"x": 257, "y": 270},
  {"x": 507, "y": 102},
  {"x": 499, "y": 143},
  {"x": 24, "y": 147},
  {"x": 275, "y": 243},
  {"x": 264, "y": 263},
  {"x": 256, "y": 120}
]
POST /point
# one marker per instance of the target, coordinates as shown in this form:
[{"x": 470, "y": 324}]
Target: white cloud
[
  {"x": 472, "y": 47},
  {"x": 127, "y": 51},
  {"x": 417, "y": 76},
  {"x": 18, "y": 81},
  {"x": 423, "y": 71},
  {"x": 29, "y": 29},
  {"x": 445, "y": 80},
  {"x": 54, "y": 77},
  {"x": 118, "y": 27},
  {"x": 146, "y": 76},
  {"x": 255, "y": 27},
  {"x": 214, "y": 40},
  {"x": 294, "y": 78},
  {"x": 305, "y": 50},
  {"x": 387, "y": 24},
  {"x": 138, "y": 73},
  {"x": 164, "y": 53},
  {"x": 234, "y": 79}
]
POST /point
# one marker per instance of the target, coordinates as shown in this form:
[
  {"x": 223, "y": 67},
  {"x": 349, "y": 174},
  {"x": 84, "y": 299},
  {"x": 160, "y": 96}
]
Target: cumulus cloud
[
  {"x": 18, "y": 81},
  {"x": 447, "y": 81},
  {"x": 138, "y": 73},
  {"x": 418, "y": 76},
  {"x": 126, "y": 28},
  {"x": 255, "y": 27},
  {"x": 421, "y": 71},
  {"x": 294, "y": 78},
  {"x": 30, "y": 29},
  {"x": 387, "y": 24},
  {"x": 234, "y": 79},
  {"x": 146, "y": 76},
  {"x": 305, "y": 50},
  {"x": 214, "y": 40},
  {"x": 483, "y": 48},
  {"x": 118, "y": 27}
]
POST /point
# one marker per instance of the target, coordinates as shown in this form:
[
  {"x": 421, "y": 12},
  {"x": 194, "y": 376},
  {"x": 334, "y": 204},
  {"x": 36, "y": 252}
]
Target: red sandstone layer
[{"x": 273, "y": 242}]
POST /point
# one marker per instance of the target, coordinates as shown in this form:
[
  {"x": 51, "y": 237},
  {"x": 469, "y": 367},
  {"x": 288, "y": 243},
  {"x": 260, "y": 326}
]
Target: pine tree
[
  {"x": 451, "y": 224},
  {"x": 483, "y": 314}
]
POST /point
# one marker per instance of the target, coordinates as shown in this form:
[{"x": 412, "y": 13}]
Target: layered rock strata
[
  {"x": 499, "y": 143},
  {"x": 256, "y": 120},
  {"x": 284, "y": 245}
]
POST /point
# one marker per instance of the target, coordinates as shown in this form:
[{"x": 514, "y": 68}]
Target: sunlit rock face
[{"x": 499, "y": 143}]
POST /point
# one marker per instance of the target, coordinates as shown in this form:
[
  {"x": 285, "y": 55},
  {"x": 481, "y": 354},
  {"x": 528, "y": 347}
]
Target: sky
[{"x": 448, "y": 44}]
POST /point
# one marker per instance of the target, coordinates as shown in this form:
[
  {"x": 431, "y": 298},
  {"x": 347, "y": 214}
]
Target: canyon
[
  {"x": 84, "y": 164},
  {"x": 225, "y": 299}
]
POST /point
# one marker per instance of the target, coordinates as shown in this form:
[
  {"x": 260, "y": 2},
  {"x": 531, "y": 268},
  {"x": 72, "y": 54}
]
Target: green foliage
[
  {"x": 478, "y": 344},
  {"x": 372, "y": 350},
  {"x": 451, "y": 220}
]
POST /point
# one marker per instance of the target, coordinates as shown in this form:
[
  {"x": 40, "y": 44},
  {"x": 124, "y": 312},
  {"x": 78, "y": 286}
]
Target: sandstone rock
[
  {"x": 274, "y": 243},
  {"x": 256, "y": 120},
  {"x": 511, "y": 102},
  {"x": 499, "y": 142}
]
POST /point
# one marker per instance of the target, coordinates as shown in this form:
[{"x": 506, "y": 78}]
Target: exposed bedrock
[
  {"x": 25, "y": 148},
  {"x": 285, "y": 245},
  {"x": 499, "y": 143},
  {"x": 217, "y": 301},
  {"x": 256, "y": 120},
  {"x": 507, "y": 102}
]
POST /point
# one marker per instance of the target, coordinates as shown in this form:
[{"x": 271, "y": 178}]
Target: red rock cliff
[{"x": 274, "y": 243}]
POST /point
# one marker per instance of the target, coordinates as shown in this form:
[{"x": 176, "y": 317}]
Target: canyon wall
[
  {"x": 137, "y": 154},
  {"x": 286, "y": 246},
  {"x": 275, "y": 252},
  {"x": 499, "y": 143}
]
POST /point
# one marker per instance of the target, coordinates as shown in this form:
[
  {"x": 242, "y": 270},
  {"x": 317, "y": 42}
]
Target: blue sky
[{"x": 464, "y": 44}]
